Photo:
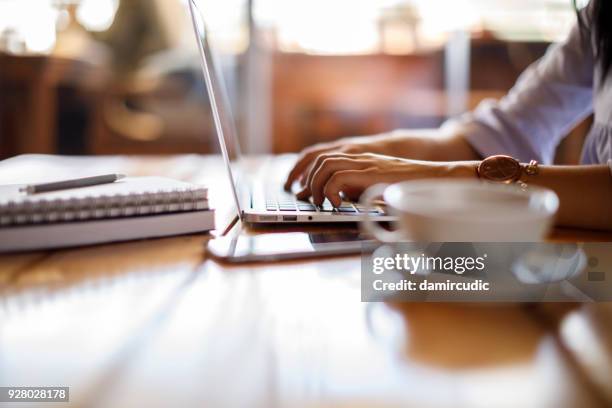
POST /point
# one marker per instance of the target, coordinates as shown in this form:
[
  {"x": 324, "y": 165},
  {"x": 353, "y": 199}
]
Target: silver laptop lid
[{"x": 222, "y": 115}]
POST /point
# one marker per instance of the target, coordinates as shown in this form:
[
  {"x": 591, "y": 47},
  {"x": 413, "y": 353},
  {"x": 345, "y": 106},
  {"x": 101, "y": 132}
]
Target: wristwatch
[{"x": 506, "y": 169}]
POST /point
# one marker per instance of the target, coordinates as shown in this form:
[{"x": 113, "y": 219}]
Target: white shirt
[{"x": 548, "y": 100}]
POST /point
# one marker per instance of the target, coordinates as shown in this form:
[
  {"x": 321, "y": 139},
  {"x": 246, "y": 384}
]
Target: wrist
[{"x": 461, "y": 169}]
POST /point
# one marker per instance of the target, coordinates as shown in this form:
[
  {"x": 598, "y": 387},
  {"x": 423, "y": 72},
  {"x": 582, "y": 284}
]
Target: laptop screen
[{"x": 221, "y": 109}]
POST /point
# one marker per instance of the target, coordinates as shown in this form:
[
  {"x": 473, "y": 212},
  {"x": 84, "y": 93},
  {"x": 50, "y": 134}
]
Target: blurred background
[{"x": 123, "y": 76}]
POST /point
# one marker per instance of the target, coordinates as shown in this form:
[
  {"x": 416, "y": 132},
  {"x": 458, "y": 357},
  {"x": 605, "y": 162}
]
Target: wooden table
[{"x": 157, "y": 324}]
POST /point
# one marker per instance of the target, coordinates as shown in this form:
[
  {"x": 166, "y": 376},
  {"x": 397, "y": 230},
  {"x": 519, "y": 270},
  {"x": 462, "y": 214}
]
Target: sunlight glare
[{"x": 97, "y": 15}]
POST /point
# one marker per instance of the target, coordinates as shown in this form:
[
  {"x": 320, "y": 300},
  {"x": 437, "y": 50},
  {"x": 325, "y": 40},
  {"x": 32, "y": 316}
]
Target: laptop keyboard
[{"x": 286, "y": 202}]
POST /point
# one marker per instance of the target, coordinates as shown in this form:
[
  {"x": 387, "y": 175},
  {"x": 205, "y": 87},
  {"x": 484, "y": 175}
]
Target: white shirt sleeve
[{"x": 547, "y": 101}]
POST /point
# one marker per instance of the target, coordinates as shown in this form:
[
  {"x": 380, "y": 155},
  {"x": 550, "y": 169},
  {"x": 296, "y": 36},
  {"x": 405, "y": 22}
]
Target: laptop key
[
  {"x": 307, "y": 207},
  {"x": 369, "y": 211},
  {"x": 347, "y": 209},
  {"x": 362, "y": 209}
]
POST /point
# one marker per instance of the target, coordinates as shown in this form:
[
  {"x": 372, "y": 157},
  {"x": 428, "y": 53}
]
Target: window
[
  {"x": 402, "y": 26},
  {"x": 30, "y": 25}
]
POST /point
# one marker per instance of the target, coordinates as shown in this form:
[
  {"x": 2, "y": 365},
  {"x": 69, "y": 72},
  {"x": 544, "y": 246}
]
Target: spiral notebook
[{"x": 131, "y": 208}]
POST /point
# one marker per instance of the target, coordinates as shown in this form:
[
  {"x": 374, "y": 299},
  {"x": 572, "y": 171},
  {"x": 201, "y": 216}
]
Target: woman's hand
[
  {"x": 419, "y": 144},
  {"x": 350, "y": 145},
  {"x": 351, "y": 174}
]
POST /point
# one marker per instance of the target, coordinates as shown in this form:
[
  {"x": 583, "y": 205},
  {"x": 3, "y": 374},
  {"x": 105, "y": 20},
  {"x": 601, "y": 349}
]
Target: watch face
[{"x": 502, "y": 169}]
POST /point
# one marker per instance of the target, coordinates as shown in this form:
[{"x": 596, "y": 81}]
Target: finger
[
  {"x": 304, "y": 175},
  {"x": 316, "y": 164},
  {"x": 351, "y": 181},
  {"x": 303, "y": 194},
  {"x": 351, "y": 195},
  {"x": 302, "y": 180},
  {"x": 304, "y": 160},
  {"x": 327, "y": 168}
]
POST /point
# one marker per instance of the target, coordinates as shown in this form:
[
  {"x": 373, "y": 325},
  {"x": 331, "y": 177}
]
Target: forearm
[
  {"x": 585, "y": 194},
  {"x": 424, "y": 144}
]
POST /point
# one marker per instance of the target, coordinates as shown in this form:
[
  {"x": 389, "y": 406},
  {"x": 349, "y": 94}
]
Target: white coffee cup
[{"x": 442, "y": 210}]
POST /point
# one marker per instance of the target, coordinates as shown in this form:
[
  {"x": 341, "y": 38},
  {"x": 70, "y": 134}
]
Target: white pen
[{"x": 74, "y": 183}]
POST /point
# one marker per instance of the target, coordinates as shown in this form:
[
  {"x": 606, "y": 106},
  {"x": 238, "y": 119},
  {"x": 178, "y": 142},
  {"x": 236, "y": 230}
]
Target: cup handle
[{"x": 369, "y": 223}]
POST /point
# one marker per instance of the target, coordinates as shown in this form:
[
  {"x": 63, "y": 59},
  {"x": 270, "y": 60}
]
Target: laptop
[{"x": 258, "y": 192}]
